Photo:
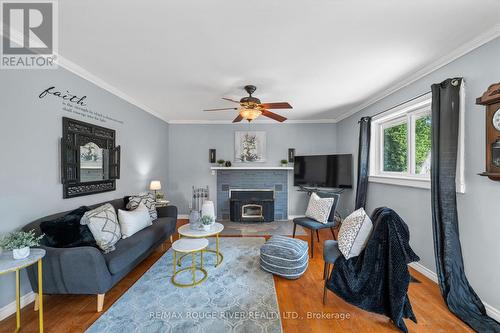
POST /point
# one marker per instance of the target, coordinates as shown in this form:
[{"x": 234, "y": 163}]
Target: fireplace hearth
[{"x": 251, "y": 205}]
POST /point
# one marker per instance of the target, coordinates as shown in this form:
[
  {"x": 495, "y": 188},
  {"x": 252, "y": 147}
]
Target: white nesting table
[
  {"x": 9, "y": 264},
  {"x": 186, "y": 231},
  {"x": 189, "y": 246}
]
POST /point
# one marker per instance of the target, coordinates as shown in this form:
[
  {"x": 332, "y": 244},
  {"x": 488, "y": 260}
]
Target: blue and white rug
[{"x": 237, "y": 296}]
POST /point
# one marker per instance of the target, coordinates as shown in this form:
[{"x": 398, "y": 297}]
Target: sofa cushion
[
  {"x": 284, "y": 256},
  {"x": 66, "y": 231},
  {"x": 130, "y": 249},
  {"x": 103, "y": 223},
  {"x": 147, "y": 199}
]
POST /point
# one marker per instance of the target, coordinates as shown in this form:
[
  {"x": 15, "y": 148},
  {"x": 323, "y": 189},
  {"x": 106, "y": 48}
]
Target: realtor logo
[{"x": 29, "y": 35}]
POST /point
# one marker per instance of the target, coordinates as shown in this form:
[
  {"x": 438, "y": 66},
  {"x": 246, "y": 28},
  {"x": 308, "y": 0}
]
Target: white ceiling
[{"x": 325, "y": 57}]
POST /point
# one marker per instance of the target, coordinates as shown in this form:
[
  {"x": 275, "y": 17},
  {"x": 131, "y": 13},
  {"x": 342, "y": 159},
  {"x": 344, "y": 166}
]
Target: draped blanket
[{"x": 377, "y": 280}]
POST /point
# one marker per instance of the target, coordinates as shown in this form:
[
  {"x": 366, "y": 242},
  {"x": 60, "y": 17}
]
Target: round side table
[
  {"x": 189, "y": 246},
  {"x": 186, "y": 231},
  {"x": 9, "y": 264}
]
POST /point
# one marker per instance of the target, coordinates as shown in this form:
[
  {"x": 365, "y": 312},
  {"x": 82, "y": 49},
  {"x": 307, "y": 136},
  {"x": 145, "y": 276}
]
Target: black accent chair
[{"x": 314, "y": 225}]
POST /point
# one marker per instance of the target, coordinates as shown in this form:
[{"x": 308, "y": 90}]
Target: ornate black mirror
[{"x": 90, "y": 160}]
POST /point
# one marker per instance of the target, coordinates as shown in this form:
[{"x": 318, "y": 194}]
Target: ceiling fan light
[{"x": 250, "y": 114}]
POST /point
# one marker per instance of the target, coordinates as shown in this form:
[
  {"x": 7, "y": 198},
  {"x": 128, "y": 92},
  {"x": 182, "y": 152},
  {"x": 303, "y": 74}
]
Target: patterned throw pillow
[
  {"x": 354, "y": 233},
  {"x": 147, "y": 200},
  {"x": 319, "y": 208},
  {"x": 103, "y": 225}
]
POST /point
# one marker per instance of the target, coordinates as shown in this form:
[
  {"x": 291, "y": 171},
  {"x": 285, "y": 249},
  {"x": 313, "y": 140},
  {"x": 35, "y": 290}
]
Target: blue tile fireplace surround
[{"x": 252, "y": 179}]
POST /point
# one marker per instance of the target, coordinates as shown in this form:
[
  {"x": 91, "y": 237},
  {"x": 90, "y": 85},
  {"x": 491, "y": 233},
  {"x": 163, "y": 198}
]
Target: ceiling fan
[{"x": 251, "y": 107}]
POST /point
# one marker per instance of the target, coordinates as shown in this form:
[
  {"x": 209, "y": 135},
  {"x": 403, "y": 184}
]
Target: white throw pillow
[
  {"x": 354, "y": 233},
  {"x": 103, "y": 225},
  {"x": 133, "y": 221},
  {"x": 319, "y": 208}
]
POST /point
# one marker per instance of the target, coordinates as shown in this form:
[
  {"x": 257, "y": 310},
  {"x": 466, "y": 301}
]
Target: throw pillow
[
  {"x": 319, "y": 208},
  {"x": 66, "y": 231},
  {"x": 133, "y": 221},
  {"x": 147, "y": 199},
  {"x": 104, "y": 226},
  {"x": 354, "y": 233}
]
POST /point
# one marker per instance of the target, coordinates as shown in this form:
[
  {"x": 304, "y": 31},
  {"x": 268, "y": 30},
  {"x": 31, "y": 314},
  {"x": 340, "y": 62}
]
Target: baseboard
[
  {"x": 491, "y": 311},
  {"x": 11, "y": 307}
]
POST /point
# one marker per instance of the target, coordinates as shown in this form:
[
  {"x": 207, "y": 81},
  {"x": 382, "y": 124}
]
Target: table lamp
[{"x": 155, "y": 185}]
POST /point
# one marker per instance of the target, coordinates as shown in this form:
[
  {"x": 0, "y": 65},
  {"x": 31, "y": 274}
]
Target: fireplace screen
[{"x": 251, "y": 211}]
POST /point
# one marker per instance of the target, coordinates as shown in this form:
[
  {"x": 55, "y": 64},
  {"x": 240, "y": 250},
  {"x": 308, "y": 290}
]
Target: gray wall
[
  {"x": 30, "y": 130},
  {"x": 189, "y": 146},
  {"x": 478, "y": 207}
]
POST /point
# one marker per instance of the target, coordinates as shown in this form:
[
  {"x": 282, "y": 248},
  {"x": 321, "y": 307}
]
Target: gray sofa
[{"x": 87, "y": 270}]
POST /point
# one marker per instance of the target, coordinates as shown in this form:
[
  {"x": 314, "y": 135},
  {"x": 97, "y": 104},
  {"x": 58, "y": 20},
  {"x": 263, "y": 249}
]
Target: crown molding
[
  {"x": 462, "y": 50},
  {"x": 264, "y": 122},
  {"x": 457, "y": 53},
  {"x": 76, "y": 69}
]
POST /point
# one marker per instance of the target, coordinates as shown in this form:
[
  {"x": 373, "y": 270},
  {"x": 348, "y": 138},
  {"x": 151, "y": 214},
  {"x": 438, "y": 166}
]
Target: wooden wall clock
[{"x": 491, "y": 99}]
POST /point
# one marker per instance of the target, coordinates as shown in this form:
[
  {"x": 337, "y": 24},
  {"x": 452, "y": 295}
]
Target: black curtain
[
  {"x": 455, "y": 288},
  {"x": 363, "y": 161}
]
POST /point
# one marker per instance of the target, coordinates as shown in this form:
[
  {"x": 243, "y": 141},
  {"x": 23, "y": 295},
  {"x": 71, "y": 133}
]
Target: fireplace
[{"x": 251, "y": 205}]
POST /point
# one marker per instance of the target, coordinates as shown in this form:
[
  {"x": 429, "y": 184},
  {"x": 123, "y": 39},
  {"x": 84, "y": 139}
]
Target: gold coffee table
[
  {"x": 189, "y": 246},
  {"x": 186, "y": 231}
]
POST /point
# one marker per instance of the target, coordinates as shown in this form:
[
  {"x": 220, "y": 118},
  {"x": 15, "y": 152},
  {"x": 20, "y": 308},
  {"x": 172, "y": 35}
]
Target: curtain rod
[{"x": 395, "y": 106}]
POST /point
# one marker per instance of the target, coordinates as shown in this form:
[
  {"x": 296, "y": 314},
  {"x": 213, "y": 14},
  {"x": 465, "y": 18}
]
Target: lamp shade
[{"x": 155, "y": 185}]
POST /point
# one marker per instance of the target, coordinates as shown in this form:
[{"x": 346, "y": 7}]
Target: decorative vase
[
  {"x": 21, "y": 253},
  {"x": 207, "y": 208},
  {"x": 194, "y": 219}
]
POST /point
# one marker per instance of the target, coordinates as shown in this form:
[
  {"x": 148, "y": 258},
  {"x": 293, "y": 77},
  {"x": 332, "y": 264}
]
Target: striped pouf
[{"x": 284, "y": 256}]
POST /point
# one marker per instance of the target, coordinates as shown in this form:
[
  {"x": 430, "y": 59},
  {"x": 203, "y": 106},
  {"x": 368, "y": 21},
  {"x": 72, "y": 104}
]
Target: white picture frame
[{"x": 250, "y": 146}]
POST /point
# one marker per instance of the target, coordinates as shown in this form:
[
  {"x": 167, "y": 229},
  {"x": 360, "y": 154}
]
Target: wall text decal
[{"x": 76, "y": 104}]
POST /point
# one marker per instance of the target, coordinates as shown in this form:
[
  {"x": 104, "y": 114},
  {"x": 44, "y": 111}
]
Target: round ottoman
[{"x": 284, "y": 256}]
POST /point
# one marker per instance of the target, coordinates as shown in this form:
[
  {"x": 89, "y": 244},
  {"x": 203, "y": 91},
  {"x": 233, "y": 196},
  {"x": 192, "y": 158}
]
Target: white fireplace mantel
[{"x": 252, "y": 168}]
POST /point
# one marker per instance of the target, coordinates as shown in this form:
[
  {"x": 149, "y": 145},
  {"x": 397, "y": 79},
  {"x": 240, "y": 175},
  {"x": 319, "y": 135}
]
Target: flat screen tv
[{"x": 323, "y": 171}]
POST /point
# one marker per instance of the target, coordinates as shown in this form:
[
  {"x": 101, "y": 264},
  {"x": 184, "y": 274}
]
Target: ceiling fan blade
[
  {"x": 278, "y": 105},
  {"x": 221, "y": 109},
  {"x": 238, "y": 119},
  {"x": 273, "y": 115},
  {"x": 231, "y": 100}
]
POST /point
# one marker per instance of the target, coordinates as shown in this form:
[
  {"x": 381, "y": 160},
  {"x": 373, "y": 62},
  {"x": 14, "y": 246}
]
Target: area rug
[
  {"x": 237, "y": 296},
  {"x": 284, "y": 228}
]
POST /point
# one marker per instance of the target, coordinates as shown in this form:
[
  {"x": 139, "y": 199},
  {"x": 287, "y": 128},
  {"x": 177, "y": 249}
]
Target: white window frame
[{"x": 407, "y": 113}]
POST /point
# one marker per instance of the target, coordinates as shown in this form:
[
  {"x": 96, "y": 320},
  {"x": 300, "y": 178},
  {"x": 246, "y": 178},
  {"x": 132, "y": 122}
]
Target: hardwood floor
[{"x": 300, "y": 303}]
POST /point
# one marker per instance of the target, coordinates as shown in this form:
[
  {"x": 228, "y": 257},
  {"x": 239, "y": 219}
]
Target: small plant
[
  {"x": 206, "y": 220},
  {"x": 220, "y": 162},
  {"x": 20, "y": 239},
  {"x": 284, "y": 162}
]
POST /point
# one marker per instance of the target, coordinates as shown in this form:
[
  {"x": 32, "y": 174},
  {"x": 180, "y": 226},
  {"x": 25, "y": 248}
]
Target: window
[{"x": 401, "y": 146}]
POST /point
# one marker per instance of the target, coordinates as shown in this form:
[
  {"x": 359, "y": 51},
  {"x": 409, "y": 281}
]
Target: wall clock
[{"x": 491, "y": 100}]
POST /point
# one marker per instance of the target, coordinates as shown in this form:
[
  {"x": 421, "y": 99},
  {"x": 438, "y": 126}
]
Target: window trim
[{"x": 408, "y": 113}]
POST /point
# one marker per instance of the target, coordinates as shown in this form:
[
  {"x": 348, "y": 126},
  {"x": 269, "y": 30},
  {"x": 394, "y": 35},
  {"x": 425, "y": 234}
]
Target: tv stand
[{"x": 314, "y": 189}]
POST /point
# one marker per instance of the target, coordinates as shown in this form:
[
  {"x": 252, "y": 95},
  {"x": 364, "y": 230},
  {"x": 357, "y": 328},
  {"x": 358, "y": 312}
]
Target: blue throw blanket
[{"x": 377, "y": 280}]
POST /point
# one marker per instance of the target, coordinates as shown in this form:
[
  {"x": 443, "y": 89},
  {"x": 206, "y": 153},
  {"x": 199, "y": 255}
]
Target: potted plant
[
  {"x": 206, "y": 222},
  {"x": 220, "y": 163},
  {"x": 284, "y": 163},
  {"x": 20, "y": 242}
]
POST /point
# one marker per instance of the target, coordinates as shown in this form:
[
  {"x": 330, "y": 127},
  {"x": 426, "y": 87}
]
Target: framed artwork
[{"x": 249, "y": 146}]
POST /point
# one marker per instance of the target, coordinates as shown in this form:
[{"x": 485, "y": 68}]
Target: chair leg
[
  {"x": 324, "y": 271},
  {"x": 312, "y": 243},
  {"x": 333, "y": 233},
  {"x": 324, "y": 293},
  {"x": 294, "y": 228},
  {"x": 317, "y": 234}
]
